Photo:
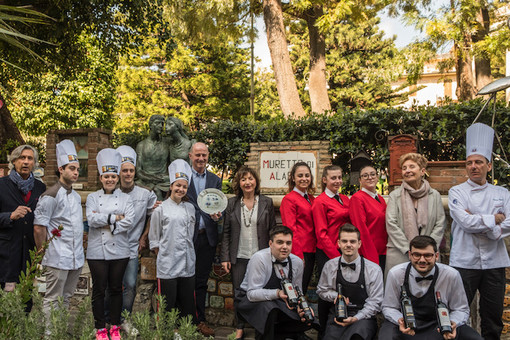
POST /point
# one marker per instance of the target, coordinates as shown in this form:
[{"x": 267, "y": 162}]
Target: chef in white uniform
[
  {"x": 481, "y": 219},
  {"x": 144, "y": 202},
  {"x": 110, "y": 215},
  {"x": 58, "y": 206},
  {"x": 171, "y": 232}
]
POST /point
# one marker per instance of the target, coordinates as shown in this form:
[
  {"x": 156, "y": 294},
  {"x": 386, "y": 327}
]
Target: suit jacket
[
  {"x": 232, "y": 226},
  {"x": 211, "y": 227},
  {"x": 16, "y": 237}
]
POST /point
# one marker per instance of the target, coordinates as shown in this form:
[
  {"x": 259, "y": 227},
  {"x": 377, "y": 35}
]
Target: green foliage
[
  {"x": 361, "y": 64},
  {"x": 440, "y": 131},
  {"x": 162, "y": 325},
  {"x": 55, "y": 101}
]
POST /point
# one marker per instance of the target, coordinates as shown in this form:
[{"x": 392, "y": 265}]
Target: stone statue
[
  {"x": 178, "y": 142},
  {"x": 153, "y": 159}
]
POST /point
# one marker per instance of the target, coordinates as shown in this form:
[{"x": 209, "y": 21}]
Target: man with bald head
[{"x": 206, "y": 228}]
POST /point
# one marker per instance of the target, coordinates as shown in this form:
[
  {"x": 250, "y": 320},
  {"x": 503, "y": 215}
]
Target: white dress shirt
[
  {"x": 110, "y": 243},
  {"x": 64, "y": 252},
  {"x": 448, "y": 283},
  {"x": 477, "y": 239},
  {"x": 172, "y": 229},
  {"x": 258, "y": 273},
  {"x": 373, "y": 284}
]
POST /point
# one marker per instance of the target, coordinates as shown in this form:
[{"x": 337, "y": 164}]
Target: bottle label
[
  {"x": 444, "y": 317},
  {"x": 291, "y": 293}
]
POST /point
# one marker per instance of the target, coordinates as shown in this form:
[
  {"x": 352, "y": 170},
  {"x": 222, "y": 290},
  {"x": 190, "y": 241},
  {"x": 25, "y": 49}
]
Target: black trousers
[
  {"x": 204, "y": 259},
  {"x": 323, "y": 307},
  {"x": 280, "y": 326},
  {"x": 238, "y": 271},
  {"x": 107, "y": 273},
  {"x": 308, "y": 270},
  {"x": 390, "y": 331},
  {"x": 490, "y": 283},
  {"x": 180, "y": 293}
]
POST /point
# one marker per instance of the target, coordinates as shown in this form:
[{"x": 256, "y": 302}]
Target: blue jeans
[{"x": 129, "y": 282}]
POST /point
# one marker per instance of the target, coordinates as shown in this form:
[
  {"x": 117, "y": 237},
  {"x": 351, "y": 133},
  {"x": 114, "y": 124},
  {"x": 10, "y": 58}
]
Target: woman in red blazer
[
  {"x": 368, "y": 214},
  {"x": 330, "y": 211},
  {"x": 296, "y": 212}
]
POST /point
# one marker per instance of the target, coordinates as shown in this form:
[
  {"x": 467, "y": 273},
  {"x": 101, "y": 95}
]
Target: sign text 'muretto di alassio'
[{"x": 275, "y": 166}]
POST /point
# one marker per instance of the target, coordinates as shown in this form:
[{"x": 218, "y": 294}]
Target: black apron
[
  {"x": 357, "y": 294},
  {"x": 255, "y": 313},
  {"x": 424, "y": 307}
]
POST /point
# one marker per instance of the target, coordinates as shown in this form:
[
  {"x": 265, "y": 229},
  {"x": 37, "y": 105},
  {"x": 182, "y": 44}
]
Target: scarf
[
  {"x": 414, "y": 220},
  {"x": 24, "y": 185}
]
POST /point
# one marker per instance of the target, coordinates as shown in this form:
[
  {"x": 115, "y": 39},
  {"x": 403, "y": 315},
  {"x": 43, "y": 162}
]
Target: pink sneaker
[
  {"x": 115, "y": 333},
  {"x": 102, "y": 334}
]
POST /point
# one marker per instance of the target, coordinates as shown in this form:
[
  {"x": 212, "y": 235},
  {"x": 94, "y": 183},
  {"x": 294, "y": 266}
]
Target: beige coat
[{"x": 398, "y": 244}]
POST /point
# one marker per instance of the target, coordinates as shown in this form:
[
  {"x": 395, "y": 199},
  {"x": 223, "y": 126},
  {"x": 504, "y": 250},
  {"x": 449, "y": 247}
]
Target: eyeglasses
[
  {"x": 427, "y": 256},
  {"x": 370, "y": 175}
]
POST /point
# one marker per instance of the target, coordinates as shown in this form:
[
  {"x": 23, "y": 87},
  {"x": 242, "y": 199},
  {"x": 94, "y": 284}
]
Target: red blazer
[
  {"x": 328, "y": 217},
  {"x": 296, "y": 214},
  {"x": 369, "y": 216}
]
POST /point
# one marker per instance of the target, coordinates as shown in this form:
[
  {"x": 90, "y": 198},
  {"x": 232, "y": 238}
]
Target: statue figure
[
  {"x": 153, "y": 159},
  {"x": 178, "y": 142}
]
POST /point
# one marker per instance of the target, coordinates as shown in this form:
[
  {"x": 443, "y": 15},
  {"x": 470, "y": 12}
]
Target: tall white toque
[
  {"x": 128, "y": 154},
  {"x": 66, "y": 153},
  {"x": 179, "y": 169},
  {"x": 479, "y": 140},
  {"x": 108, "y": 161}
]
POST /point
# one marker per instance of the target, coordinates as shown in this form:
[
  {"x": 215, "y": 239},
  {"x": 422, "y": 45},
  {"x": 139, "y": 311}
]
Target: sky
[{"x": 391, "y": 26}]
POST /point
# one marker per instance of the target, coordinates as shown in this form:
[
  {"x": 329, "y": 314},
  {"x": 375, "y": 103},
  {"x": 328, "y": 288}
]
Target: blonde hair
[{"x": 415, "y": 157}]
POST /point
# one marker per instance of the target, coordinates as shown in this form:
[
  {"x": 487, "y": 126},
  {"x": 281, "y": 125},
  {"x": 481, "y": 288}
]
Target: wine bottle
[
  {"x": 443, "y": 316},
  {"x": 303, "y": 304},
  {"x": 341, "y": 307},
  {"x": 407, "y": 309},
  {"x": 288, "y": 288}
]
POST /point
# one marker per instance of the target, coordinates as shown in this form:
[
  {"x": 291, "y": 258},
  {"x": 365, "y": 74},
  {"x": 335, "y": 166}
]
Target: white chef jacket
[
  {"x": 143, "y": 201},
  {"x": 172, "y": 229},
  {"x": 111, "y": 243},
  {"x": 61, "y": 206},
  {"x": 477, "y": 242}
]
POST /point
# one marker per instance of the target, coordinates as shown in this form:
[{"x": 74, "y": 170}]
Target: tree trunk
[
  {"x": 282, "y": 67},
  {"x": 317, "y": 85},
  {"x": 482, "y": 63},
  {"x": 465, "y": 80},
  {"x": 8, "y": 129}
]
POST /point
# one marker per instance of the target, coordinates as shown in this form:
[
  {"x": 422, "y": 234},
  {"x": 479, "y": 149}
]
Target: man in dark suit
[
  {"x": 19, "y": 194},
  {"x": 206, "y": 229}
]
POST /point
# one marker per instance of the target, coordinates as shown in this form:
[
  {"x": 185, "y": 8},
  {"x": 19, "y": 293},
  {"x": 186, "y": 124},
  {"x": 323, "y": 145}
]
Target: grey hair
[{"x": 16, "y": 153}]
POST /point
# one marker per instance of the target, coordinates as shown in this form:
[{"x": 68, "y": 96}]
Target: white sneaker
[{"x": 129, "y": 329}]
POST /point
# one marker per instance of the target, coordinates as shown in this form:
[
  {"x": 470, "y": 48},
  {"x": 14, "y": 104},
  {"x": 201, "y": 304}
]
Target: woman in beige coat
[{"x": 413, "y": 209}]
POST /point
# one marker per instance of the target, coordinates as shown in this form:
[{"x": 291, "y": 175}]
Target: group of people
[
  {"x": 357, "y": 242},
  {"x": 118, "y": 217}
]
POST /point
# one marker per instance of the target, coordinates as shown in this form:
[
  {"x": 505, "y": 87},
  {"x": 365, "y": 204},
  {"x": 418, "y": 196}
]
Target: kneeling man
[
  {"x": 260, "y": 300},
  {"x": 422, "y": 277},
  {"x": 362, "y": 286}
]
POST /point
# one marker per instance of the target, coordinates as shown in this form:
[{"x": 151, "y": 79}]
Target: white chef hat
[
  {"x": 179, "y": 169},
  {"x": 479, "y": 140},
  {"x": 108, "y": 161},
  {"x": 127, "y": 153},
  {"x": 66, "y": 153}
]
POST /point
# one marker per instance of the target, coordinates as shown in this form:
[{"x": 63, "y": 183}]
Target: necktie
[
  {"x": 283, "y": 264},
  {"x": 419, "y": 279},
  {"x": 350, "y": 265},
  {"x": 337, "y": 197},
  {"x": 307, "y": 198},
  {"x": 377, "y": 198}
]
